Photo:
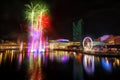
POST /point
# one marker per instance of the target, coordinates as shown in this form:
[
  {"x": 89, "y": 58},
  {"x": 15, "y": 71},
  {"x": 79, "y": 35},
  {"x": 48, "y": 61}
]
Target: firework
[{"x": 35, "y": 13}]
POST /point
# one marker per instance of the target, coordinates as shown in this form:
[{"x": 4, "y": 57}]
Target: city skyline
[{"x": 99, "y": 17}]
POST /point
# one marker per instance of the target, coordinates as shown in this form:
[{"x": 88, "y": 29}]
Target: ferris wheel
[{"x": 87, "y": 43}]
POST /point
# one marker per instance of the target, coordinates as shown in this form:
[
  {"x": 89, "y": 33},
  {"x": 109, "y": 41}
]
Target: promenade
[{"x": 102, "y": 54}]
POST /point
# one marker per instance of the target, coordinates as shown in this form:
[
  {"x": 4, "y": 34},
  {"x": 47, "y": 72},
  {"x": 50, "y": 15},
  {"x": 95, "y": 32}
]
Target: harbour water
[{"x": 57, "y": 65}]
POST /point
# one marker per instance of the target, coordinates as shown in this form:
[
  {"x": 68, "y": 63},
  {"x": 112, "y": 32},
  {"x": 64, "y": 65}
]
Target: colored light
[
  {"x": 106, "y": 65},
  {"x": 62, "y": 40},
  {"x": 88, "y": 63},
  {"x": 87, "y": 43},
  {"x": 36, "y": 14}
]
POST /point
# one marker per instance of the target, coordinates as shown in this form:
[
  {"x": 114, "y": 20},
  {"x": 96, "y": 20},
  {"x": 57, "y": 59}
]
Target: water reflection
[
  {"x": 54, "y": 65},
  {"x": 109, "y": 64},
  {"x": 77, "y": 67},
  {"x": 106, "y": 64},
  {"x": 109, "y": 67},
  {"x": 20, "y": 58},
  {"x": 34, "y": 69},
  {"x": 116, "y": 62},
  {"x": 1, "y": 57},
  {"x": 59, "y": 56},
  {"x": 39, "y": 60},
  {"x": 9, "y": 56},
  {"x": 88, "y": 63}
]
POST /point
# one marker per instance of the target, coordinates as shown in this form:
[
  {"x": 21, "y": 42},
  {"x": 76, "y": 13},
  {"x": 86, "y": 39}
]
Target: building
[
  {"x": 110, "y": 39},
  {"x": 62, "y": 44}
]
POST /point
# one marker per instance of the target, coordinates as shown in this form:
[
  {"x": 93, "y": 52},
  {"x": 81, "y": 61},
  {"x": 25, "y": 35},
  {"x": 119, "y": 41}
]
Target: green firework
[{"x": 33, "y": 10}]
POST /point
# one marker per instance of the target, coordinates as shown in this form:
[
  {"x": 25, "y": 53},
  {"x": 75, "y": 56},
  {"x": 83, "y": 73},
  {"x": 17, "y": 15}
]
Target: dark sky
[{"x": 99, "y": 16}]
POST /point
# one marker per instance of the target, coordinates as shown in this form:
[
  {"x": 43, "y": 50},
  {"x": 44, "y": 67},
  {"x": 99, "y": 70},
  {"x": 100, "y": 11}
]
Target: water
[{"x": 57, "y": 65}]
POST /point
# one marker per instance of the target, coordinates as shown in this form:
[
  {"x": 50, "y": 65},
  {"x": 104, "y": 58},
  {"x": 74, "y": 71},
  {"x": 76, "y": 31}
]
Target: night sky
[{"x": 99, "y": 17}]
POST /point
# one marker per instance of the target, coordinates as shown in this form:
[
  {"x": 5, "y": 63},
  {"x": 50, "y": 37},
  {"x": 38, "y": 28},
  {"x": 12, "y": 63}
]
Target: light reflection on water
[
  {"x": 34, "y": 68},
  {"x": 88, "y": 63},
  {"x": 84, "y": 67}
]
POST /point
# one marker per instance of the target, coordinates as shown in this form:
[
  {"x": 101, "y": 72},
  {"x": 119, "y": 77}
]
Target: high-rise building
[{"x": 77, "y": 31}]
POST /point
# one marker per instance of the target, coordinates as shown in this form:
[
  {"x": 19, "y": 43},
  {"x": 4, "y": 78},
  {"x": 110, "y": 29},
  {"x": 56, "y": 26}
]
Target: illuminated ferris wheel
[{"x": 87, "y": 43}]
